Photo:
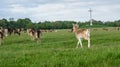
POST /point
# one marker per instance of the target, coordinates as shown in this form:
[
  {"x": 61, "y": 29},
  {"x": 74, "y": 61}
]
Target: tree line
[{"x": 27, "y": 23}]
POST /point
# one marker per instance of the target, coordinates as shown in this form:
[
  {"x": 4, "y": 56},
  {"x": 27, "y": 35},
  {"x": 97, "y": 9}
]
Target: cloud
[{"x": 40, "y": 10}]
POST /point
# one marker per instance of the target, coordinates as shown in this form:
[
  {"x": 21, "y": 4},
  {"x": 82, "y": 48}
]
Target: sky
[{"x": 55, "y": 10}]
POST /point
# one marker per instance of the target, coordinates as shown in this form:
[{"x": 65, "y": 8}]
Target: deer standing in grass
[
  {"x": 35, "y": 34},
  {"x": 1, "y": 37},
  {"x": 81, "y": 34}
]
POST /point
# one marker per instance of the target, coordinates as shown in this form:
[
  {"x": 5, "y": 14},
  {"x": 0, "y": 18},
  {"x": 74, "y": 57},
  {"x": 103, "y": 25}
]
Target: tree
[{"x": 4, "y": 23}]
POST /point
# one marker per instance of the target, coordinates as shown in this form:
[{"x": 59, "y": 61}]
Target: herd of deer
[
  {"x": 4, "y": 32},
  {"x": 36, "y": 34}
]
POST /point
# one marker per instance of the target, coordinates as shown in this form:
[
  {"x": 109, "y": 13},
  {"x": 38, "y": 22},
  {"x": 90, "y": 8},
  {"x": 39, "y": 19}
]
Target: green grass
[{"x": 57, "y": 49}]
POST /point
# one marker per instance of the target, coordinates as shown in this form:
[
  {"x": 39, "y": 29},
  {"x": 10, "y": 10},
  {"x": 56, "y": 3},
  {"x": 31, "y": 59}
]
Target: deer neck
[{"x": 75, "y": 30}]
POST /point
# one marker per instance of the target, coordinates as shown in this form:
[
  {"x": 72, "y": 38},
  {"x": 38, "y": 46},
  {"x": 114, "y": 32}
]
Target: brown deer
[
  {"x": 105, "y": 29},
  {"x": 81, "y": 34},
  {"x": 1, "y": 37},
  {"x": 34, "y": 34}
]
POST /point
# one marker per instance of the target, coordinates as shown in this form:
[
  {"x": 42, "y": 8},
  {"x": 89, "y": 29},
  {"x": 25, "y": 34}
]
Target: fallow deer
[
  {"x": 81, "y": 34},
  {"x": 34, "y": 34},
  {"x": 105, "y": 29},
  {"x": 1, "y": 37}
]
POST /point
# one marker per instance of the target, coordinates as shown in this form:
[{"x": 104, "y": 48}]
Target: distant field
[{"x": 57, "y": 49}]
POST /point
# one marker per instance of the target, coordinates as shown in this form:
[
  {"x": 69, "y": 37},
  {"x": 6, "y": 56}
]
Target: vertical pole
[{"x": 90, "y": 17}]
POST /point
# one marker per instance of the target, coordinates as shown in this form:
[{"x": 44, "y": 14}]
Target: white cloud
[
  {"x": 76, "y": 10},
  {"x": 17, "y": 8}
]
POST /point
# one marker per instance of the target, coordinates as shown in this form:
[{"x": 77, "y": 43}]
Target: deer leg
[
  {"x": 77, "y": 44},
  {"x": 88, "y": 42},
  {"x": 80, "y": 42}
]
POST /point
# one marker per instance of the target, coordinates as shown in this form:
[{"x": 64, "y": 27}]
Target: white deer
[{"x": 81, "y": 34}]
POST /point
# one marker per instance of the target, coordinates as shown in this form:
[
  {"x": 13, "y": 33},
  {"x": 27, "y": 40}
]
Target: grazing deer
[
  {"x": 34, "y": 34},
  {"x": 118, "y": 28},
  {"x": 1, "y": 37},
  {"x": 81, "y": 34},
  {"x": 31, "y": 33},
  {"x": 105, "y": 29},
  {"x": 17, "y": 31},
  {"x": 37, "y": 35},
  {"x": 95, "y": 29}
]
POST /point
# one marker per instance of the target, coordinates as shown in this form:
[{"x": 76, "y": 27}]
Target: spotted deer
[
  {"x": 34, "y": 34},
  {"x": 81, "y": 34}
]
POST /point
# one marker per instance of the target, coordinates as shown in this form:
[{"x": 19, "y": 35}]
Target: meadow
[{"x": 57, "y": 49}]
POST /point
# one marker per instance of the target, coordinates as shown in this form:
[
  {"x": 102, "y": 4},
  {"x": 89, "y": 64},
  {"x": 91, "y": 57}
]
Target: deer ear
[{"x": 77, "y": 24}]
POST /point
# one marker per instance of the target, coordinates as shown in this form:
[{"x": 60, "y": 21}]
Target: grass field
[{"x": 57, "y": 49}]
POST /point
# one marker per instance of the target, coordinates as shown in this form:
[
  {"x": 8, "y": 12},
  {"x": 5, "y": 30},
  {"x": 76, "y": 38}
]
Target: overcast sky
[{"x": 53, "y": 10}]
